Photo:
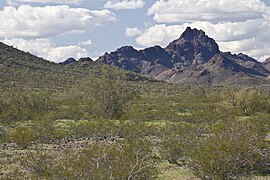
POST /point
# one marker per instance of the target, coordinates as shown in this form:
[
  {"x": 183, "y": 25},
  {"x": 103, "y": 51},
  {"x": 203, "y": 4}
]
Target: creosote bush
[
  {"x": 106, "y": 96},
  {"x": 236, "y": 149},
  {"x": 177, "y": 141},
  {"x": 122, "y": 159},
  {"x": 247, "y": 102},
  {"x": 23, "y": 135},
  {"x": 24, "y": 105}
]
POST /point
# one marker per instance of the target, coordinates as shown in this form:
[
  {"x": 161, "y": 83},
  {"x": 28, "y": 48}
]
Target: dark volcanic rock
[
  {"x": 68, "y": 61},
  {"x": 150, "y": 61},
  {"x": 252, "y": 66},
  {"x": 193, "y": 47},
  {"x": 157, "y": 55},
  {"x": 266, "y": 64}
]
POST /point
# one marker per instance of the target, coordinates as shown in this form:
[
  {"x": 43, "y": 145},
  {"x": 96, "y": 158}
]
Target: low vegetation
[{"x": 105, "y": 127}]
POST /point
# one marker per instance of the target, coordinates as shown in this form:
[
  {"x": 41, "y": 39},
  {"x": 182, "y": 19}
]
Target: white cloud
[
  {"x": 39, "y": 22},
  {"x": 160, "y": 35},
  {"x": 130, "y": 32},
  {"x": 46, "y": 49},
  {"x": 207, "y": 10},
  {"x": 86, "y": 43},
  {"x": 124, "y": 4},
  {"x": 237, "y": 26},
  {"x": 16, "y": 2}
]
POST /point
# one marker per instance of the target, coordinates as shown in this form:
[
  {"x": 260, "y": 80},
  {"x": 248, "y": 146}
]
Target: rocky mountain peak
[
  {"x": 193, "y": 47},
  {"x": 194, "y": 58},
  {"x": 267, "y": 60},
  {"x": 190, "y": 34},
  {"x": 126, "y": 51},
  {"x": 68, "y": 61}
]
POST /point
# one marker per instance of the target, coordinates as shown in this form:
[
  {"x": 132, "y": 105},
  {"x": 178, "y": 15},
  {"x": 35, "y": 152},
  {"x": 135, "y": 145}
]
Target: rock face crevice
[{"x": 192, "y": 58}]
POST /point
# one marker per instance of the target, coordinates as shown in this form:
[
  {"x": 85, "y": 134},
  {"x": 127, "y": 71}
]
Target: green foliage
[
  {"x": 235, "y": 149},
  {"x": 107, "y": 96},
  {"x": 247, "y": 102},
  {"x": 118, "y": 160},
  {"x": 23, "y": 135},
  {"x": 25, "y": 104},
  {"x": 189, "y": 126},
  {"x": 177, "y": 141},
  {"x": 3, "y": 133}
]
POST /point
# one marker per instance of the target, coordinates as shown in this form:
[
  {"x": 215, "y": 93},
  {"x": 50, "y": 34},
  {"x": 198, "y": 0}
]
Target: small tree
[
  {"x": 108, "y": 95},
  {"x": 247, "y": 102}
]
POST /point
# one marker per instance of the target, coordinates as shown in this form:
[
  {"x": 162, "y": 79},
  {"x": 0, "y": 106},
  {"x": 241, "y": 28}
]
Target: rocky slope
[
  {"x": 193, "y": 58},
  {"x": 266, "y": 64},
  {"x": 24, "y": 70}
]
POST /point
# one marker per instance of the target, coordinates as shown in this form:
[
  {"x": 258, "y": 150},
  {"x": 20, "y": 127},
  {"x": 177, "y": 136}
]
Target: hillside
[
  {"x": 194, "y": 58},
  {"x": 20, "y": 69}
]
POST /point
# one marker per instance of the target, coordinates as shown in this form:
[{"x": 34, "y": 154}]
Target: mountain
[
  {"x": 266, "y": 64},
  {"x": 148, "y": 62},
  {"x": 68, "y": 61},
  {"x": 193, "y": 58},
  {"x": 21, "y": 69}
]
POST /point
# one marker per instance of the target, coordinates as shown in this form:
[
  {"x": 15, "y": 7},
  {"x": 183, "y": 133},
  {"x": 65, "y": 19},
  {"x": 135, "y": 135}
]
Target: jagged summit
[{"x": 193, "y": 47}]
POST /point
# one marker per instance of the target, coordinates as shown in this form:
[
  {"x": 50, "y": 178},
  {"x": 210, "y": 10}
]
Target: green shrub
[
  {"x": 23, "y": 135},
  {"x": 177, "y": 141},
  {"x": 3, "y": 133},
  {"x": 247, "y": 102},
  {"x": 106, "y": 96},
  {"x": 236, "y": 149},
  {"x": 117, "y": 160},
  {"x": 25, "y": 104}
]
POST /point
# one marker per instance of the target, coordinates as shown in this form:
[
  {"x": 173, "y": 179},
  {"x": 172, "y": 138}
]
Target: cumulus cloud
[
  {"x": 40, "y": 22},
  {"x": 207, "y": 10},
  {"x": 14, "y": 2},
  {"x": 130, "y": 32},
  {"x": 159, "y": 35},
  {"x": 237, "y": 26},
  {"x": 46, "y": 49},
  {"x": 124, "y": 4}
]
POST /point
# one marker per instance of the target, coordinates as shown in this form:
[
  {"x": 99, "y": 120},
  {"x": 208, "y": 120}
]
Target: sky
[{"x": 58, "y": 29}]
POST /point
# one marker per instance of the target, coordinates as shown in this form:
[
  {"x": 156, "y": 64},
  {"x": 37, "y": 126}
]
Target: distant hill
[
  {"x": 21, "y": 69},
  {"x": 194, "y": 58}
]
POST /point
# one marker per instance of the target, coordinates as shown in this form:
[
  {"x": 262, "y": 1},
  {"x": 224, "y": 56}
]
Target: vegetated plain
[
  {"x": 106, "y": 127},
  {"x": 92, "y": 121}
]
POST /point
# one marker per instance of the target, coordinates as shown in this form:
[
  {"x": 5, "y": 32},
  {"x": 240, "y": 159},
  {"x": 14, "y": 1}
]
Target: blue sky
[{"x": 56, "y": 30}]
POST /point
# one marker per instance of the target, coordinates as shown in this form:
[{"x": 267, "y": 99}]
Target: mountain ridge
[
  {"x": 189, "y": 59},
  {"x": 194, "y": 58}
]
